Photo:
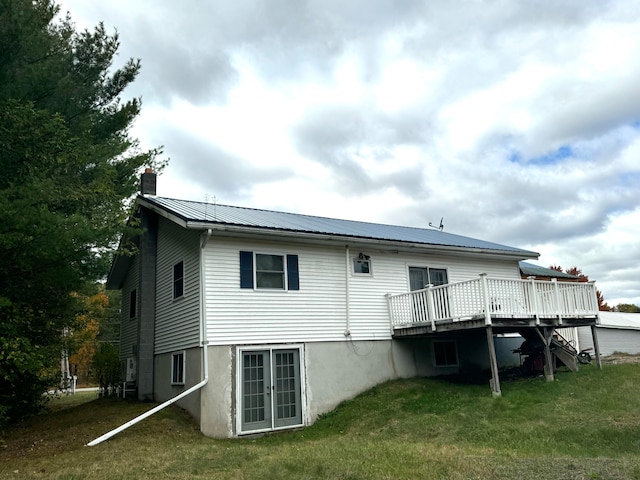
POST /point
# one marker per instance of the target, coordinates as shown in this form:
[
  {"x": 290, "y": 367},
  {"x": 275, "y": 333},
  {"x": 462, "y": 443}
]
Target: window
[
  {"x": 420, "y": 277},
  {"x": 445, "y": 354},
  {"x": 178, "y": 280},
  {"x": 177, "y": 368},
  {"x": 362, "y": 264},
  {"x": 269, "y": 271},
  {"x": 437, "y": 276},
  {"x": 133, "y": 307}
]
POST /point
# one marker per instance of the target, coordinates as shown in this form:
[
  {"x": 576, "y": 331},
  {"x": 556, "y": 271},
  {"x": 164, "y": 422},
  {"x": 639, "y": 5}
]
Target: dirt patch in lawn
[{"x": 617, "y": 358}]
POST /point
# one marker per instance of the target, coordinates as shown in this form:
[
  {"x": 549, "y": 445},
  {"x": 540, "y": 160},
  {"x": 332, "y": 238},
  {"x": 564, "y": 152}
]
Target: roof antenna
[
  {"x": 206, "y": 205},
  {"x": 439, "y": 227}
]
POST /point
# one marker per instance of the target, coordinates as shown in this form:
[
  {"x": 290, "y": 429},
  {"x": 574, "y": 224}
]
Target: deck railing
[{"x": 489, "y": 298}]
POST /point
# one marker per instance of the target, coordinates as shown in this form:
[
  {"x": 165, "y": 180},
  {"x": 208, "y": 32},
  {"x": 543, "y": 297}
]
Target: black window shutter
[
  {"x": 246, "y": 269},
  {"x": 292, "y": 272}
]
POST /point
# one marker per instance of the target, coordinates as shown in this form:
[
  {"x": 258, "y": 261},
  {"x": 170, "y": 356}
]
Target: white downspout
[
  {"x": 205, "y": 358},
  {"x": 347, "y": 332}
]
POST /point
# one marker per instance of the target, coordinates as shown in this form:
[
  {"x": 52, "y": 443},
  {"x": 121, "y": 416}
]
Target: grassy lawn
[{"x": 584, "y": 425}]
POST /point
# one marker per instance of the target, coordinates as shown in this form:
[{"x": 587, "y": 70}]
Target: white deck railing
[{"x": 490, "y": 298}]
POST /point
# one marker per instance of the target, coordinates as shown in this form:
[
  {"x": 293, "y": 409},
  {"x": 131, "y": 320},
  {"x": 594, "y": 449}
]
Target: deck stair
[{"x": 563, "y": 349}]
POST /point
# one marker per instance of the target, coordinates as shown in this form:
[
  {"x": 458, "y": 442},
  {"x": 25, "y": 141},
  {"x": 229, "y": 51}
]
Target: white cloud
[{"x": 517, "y": 122}]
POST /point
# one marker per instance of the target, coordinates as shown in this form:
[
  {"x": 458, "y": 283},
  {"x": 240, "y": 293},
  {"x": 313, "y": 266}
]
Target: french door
[{"x": 270, "y": 389}]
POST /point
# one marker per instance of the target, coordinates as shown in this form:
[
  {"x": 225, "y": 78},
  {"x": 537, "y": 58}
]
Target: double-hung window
[
  {"x": 270, "y": 271},
  {"x": 267, "y": 271}
]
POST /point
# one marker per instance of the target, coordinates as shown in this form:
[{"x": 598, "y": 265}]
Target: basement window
[
  {"x": 445, "y": 353},
  {"x": 177, "y": 368}
]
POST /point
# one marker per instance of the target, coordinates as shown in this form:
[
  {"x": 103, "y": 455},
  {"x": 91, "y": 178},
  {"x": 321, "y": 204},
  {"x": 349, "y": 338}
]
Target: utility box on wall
[{"x": 131, "y": 370}]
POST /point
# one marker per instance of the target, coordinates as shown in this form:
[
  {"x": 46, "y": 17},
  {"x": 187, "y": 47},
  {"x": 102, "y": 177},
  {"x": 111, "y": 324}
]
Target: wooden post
[
  {"x": 548, "y": 358},
  {"x": 495, "y": 379},
  {"x": 431, "y": 307},
  {"x": 596, "y": 346},
  {"x": 534, "y": 295},
  {"x": 485, "y": 298},
  {"x": 557, "y": 299}
]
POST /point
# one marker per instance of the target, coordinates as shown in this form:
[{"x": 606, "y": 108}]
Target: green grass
[{"x": 584, "y": 425}]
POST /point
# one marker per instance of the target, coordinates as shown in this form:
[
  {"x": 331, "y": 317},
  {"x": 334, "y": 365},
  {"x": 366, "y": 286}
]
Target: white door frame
[{"x": 240, "y": 350}]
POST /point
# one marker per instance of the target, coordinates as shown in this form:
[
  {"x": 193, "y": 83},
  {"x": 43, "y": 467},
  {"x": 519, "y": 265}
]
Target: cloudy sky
[{"x": 516, "y": 122}]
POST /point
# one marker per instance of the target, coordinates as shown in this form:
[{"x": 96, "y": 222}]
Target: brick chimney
[{"x": 148, "y": 182}]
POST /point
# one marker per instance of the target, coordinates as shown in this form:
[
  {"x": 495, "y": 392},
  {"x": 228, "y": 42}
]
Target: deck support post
[
  {"x": 596, "y": 346},
  {"x": 546, "y": 336},
  {"x": 548, "y": 358},
  {"x": 495, "y": 378}
]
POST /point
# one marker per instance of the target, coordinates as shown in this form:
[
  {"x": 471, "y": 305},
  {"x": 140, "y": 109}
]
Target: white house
[{"x": 269, "y": 319}]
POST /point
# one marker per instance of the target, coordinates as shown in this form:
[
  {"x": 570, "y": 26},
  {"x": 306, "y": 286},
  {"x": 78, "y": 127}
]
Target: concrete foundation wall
[
  {"x": 338, "y": 371},
  {"x": 193, "y": 375},
  {"x": 218, "y": 396},
  {"x": 334, "y": 372}
]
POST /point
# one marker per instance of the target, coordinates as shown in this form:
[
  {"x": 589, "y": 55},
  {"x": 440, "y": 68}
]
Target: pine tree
[{"x": 69, "y": 169}]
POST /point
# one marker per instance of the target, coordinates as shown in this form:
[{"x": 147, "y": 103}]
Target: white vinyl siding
[
  {"x": 177, "y": 320},
  {"x": 234, "y": 315},
  {"x": 318, "y": 311},
  {"x": 129, "y": 326}
]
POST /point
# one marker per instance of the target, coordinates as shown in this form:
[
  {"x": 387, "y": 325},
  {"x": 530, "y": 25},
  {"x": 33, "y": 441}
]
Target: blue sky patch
[{"x": 565, "y": 151}]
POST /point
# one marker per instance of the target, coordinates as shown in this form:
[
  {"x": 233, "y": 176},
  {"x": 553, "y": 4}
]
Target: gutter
[{"x": 205, "y": 358}]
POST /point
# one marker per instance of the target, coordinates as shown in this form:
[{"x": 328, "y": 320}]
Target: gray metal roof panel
[
  {"x": 207, "y": 213},
  {"x": 536, "y": 270}
]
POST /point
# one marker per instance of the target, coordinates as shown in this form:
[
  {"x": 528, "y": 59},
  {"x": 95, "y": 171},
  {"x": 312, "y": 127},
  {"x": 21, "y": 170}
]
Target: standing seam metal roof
[{"x": 207, "y": 213}]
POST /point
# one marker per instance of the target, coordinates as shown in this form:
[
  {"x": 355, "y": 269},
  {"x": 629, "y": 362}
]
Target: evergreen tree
[{"x": 69, "y": 169}]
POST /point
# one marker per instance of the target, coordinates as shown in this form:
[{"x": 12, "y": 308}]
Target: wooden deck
[
  {"x": 502, "y": 303},
  {"x": 500, "y": 324},
  {"x": 531, "y": 307}
]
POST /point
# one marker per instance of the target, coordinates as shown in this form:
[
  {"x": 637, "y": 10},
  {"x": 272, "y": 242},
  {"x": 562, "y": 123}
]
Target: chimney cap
[{"x": 148, "y": 182}]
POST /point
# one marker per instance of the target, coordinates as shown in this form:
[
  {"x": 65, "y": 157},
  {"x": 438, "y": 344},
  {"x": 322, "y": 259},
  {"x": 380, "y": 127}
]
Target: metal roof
[
  {"x": 538, "y": 271},
  {"x": 206, "y": 214}
]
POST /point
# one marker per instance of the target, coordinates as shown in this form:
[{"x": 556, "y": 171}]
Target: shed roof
[
  {"x": 621, "y": 320},
  {"x": 536, "y": 270}
]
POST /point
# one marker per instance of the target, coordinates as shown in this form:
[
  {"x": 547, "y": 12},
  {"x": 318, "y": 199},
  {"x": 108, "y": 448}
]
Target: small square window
[
  {"x": 177, "y": 368},
  {"x": 133, "y": 304},
  {"x": 362, "y": 265},
  {"x": 178, "y": 280},
  {"x": 445, "y": 354}
]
